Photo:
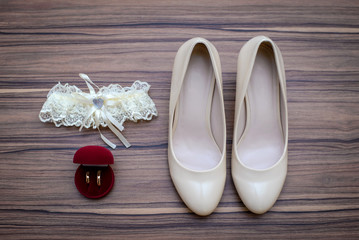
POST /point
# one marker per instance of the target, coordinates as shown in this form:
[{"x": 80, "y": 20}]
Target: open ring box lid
[{"x": 92, "y": 159}]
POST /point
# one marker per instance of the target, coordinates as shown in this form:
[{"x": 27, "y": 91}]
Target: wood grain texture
[{"x": 43, "y": 42}]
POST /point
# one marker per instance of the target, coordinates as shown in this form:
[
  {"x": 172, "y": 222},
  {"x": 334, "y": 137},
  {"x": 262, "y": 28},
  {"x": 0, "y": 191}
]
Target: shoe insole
[
  {"x": 263, "y": 142},
  {"x": 193, "y": 142}
]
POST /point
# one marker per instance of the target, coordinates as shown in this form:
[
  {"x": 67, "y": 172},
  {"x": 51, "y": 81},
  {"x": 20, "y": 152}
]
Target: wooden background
[{"x": 43, "y": 42}]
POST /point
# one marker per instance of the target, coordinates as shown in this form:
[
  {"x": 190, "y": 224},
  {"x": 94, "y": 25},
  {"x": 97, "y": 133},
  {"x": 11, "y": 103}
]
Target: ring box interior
[{"x": 92, "y": 159}]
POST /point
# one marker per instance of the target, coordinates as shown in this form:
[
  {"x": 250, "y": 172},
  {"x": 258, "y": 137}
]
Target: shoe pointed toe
[
  {"x": 201, "y": 194},
  {"x": 260, "y": 196}
]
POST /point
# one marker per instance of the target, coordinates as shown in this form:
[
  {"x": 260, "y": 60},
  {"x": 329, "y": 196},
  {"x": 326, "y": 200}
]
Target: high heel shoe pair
[{"x": 197, "y": 126}]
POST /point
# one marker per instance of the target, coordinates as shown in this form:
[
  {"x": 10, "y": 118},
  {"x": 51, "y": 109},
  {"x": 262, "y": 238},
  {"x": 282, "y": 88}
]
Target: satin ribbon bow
[{"x": 99, "y": 108}]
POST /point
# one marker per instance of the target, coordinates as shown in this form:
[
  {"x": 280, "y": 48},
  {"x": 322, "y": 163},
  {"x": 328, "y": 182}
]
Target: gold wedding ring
[
  {"x": 99, "y": 178},
  {"x": 87, "y": 177}
]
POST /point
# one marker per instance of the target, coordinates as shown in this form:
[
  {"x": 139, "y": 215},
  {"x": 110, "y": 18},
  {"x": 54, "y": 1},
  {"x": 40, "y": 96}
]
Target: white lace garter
[{"x": 110, "y": 106}]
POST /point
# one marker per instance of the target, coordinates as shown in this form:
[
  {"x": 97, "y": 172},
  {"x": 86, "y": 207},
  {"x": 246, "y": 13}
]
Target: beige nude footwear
[
  {"x": 197, "y": 127},
  {"x": 260, "y": 139}
]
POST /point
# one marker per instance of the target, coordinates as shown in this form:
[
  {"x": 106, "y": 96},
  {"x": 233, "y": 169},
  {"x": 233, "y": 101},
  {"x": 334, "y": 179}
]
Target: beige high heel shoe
[
  {"x": 197, "y": 127},
  {"x": 260, "y": 139}
]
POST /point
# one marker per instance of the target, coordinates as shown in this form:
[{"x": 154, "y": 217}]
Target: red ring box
[{"x": 92, "y": 159}]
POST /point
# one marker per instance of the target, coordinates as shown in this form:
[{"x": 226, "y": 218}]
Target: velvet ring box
[{"x": 93, "y": 159}]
